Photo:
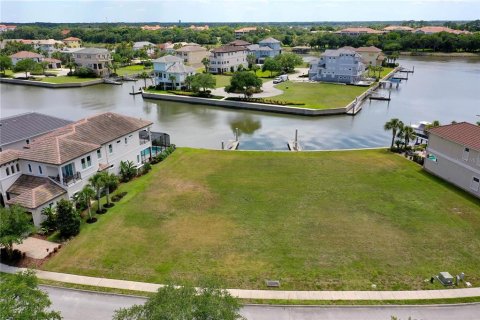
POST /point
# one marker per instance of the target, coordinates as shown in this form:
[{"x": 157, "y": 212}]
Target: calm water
[{"x": 442, "y": 89}]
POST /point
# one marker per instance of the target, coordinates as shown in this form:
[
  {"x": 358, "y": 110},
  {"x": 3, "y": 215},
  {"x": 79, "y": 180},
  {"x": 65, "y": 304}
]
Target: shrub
[
  {"x": 266, "y": 101},
  {"x": 127, "y": 170},
  {"x": 147, "y": 167},
  {"x": 83, "y": 72},
  {"x": 68, "y": 219}
]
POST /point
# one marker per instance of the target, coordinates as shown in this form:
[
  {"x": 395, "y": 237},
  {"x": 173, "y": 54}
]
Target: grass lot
[
  {"x": 319, "y": 95},
  {"x": 316, "y": 220},
  {"x": 223, "y": 80},
  {"x": 132, "y": 70},
  {"x": 67, "y": 79}
]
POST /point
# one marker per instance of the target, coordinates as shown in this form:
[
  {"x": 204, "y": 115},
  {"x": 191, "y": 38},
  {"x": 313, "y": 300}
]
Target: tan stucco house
[
  {"x": 96, "y": 59},
  {"x": 192, "y": 54}
]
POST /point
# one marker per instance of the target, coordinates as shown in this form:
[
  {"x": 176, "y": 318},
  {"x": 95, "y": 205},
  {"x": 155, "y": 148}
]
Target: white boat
[{"x": 420, "y": 128}]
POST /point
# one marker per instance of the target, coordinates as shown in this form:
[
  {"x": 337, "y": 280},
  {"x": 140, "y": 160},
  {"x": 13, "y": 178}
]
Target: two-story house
[
  {"x": 170, "y": 72},
  {"x": 22, "y": 55},
  {"x": 453, "y": 154},
  {"x": 342, "y": 65},
  {"x": 267, "y": 48},
  {"x": 228, "y": 59},
  {"x": 60, "y": 163},
  {"x": 144, "y": 45},
  {"x": 96, "y": 59},
  {"x": 372, "y": 56},
  {"x": 192, "y": 54},
  {"x": 17, "y": 131},
  {"x": 72, "y": 42}
]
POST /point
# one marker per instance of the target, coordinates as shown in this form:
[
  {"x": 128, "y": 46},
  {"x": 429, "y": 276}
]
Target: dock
[
  {"x": 353, "y": 111},
  {"x": 294, "y": 145},
  {"x": 135, "y": 92},
  {"x": 379, "y": 98},
  {"x": 404, "y": 70}
]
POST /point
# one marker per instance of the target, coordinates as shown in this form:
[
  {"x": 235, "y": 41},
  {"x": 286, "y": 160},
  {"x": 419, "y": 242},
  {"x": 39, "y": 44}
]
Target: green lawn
[
  {"x": 313, "y": 220},
  {"x": 67, "y": 79},
  {"x": 138, "y": 68},
  {"x": 319, "y": 95},
  {"x": 222, "y": 80}
]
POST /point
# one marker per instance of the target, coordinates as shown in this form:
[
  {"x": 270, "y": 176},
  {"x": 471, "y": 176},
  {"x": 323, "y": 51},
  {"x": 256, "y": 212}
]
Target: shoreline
[
  {"x": 440, "y": 54},
  {"x": 50, "y": 84}
]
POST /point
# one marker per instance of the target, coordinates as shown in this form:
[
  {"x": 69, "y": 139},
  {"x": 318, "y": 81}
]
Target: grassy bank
[
  {"x": 134, "y": 69},
  {"x": 319, "y": 95},
  {"x": 67, "y": 79},
  {"x": 329, "y": 220}
]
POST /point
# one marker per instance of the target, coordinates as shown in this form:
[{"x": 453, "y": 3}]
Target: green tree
[
  {"x": 172, "y": 79},
  {"x": 244, "y": 82},
  {"x": 204, "y": 81},
  {"x": 144, "y": 75},
  {"x": 111, "y": 182},
  {"x": 395, "y": 125},
  {"x": 188, "y": 81},
  {"x": 98, "y": 183},
  {"x": 21, "y": 299},
  {"x": 5, "y": 63},
  {"x": 288, "y": 61},
  {"x": 271, "y": 65},
  {"x": 251, "y": 59},
  {"x": 407, "y": 134},
  {"x": 15, "y": 225},
  {"x": 43, "y": 65},
  {"x": 86, "y": 195},
  {"x": 68, "y": 219},
  {"x": 127, "y": 170},
  {"x": 255, "y": 68},
  {"x": 171, "y": 303},
  {"x": 50, "y": 222},
  {"x": 206, "y": 63},
  {"x": 25, "y": 65}
]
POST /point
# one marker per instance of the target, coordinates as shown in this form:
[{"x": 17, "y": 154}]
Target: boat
[
  {"x": 420, "y": 129},
  {"x": 110, "y": 81}
]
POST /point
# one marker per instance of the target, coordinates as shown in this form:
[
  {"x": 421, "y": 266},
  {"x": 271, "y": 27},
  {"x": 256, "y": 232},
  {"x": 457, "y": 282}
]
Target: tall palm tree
[
  {"x": 144, "y": 75},
  {"x": 111, "y": 181},
  {"x": 86, "y": 195},
  {"x": 173, "y": 79},
  {"x": 406, "y": 133},
  {"x": 394, "y": 125},
  {"x": 97, "y": 181},
  {"x": 206, "y": 63}
]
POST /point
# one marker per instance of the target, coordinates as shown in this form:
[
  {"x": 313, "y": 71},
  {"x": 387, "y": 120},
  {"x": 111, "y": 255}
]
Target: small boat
[
  {"x": 110, "y": 81},
  {"x": 420, "y": 129}
]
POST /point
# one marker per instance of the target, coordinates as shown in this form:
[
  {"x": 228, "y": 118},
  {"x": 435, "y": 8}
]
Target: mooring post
[
  {"x": 236, "y": 134},
  {"x": 413, "y": 69},
  {"x": 133, "y": 89},
  {"x": 389, "y": 93},
  {"x": 223, "y": 145},
  {"x": 296, "y": 139}
]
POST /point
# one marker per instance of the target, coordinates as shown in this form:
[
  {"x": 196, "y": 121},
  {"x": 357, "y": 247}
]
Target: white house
[
  {"x": 453, "y": 154},
  {"x": 168, "y": 67},
  {"x": 60, "y": 163},
  {"x": 342, "y": 65},
  {"x": 22, "y": 55},
  {"x": 148, "y": 46},
  {"x": 228, "y": 59}
]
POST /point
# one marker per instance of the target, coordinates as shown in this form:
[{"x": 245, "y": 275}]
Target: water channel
[{"x": 443, "y": 89}]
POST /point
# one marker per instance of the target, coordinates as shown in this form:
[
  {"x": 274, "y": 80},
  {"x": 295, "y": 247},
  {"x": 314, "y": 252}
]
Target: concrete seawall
[
  {"x": 244, "y": 105},
  {"x": 50, "y": 85}
]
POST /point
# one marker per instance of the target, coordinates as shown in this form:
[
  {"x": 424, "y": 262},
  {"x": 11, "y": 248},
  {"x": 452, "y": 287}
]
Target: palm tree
[
  {"x": 98, "y": 183},
  {"x": 86, "y": 195},
  {"x": 111, "y": 181},
  {"x": 44, "y": 65},
  {"x": 127, "y": 170},
  {"x": 406, "y": 133},
  {"x": 251, "y": 59},
  {"x": 144, "y": 76},
  {"x": 395, "y": 125},
  {"x": 206, "y": 63},
  {"x": 189, "y": 81},
  {"x": 434, "y": 124},
  {"x": 173, "y": 79}
]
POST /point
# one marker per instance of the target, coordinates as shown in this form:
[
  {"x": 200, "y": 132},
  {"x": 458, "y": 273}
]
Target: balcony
[{"x": 68, "y": 180}]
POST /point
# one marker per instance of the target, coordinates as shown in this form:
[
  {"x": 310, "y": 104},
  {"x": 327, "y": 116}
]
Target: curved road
[{"x": 76, "y": 304}]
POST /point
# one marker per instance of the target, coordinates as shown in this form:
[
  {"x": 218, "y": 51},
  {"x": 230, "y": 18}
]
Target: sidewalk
[{"x": 261, "y": 294}]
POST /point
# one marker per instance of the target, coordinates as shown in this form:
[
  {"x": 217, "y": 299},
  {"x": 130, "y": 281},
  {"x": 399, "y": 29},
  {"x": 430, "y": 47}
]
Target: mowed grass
[
  {"x": 133, "y": 69},
  {"x": 313, "y": 220},
  {"x": 67, "y": 79},
  {"x": 319, "y": 95}
]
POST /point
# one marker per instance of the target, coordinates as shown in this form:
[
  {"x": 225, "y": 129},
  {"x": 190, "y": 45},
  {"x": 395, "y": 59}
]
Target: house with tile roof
[
  {"x": 453, "y": 154},
  {"x": 19, "y": 130},
  {"x": 356, "y": 31},
  {"x": 267, "y": 48},
  {"x": 437, "y": 29},
  {"x": 145, "y": 45},
  {"x": 343, "y": 65},
  {"x": 73, "y": 42},
  {"x": 192, "y": 54},
  {"x": 228, "y": 59},
  {"x": 372, "y": 56},
  {"x": 22, "y": 55},
  {"x": 96, "y": 59},
  {"x": 243, "y": 31},
  {"x": 59, "y": 164},
  {"x": 167, "y": 67},
  {"x": 398, "y": 29}
]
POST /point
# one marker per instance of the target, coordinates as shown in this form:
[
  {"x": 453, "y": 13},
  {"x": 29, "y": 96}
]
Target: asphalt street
[{"x": 80, "y": 305}]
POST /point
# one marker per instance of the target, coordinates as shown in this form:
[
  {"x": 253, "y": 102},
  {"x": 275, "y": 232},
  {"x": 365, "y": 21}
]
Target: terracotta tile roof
[
  {"x": 398, "y": 28},
  {"x": 368, "y": 49},
  {"x": 26, "y": 55},
  {"x": 246, "y": 29},
  {"x": 52, "y": 60},
  {"x": 464, "y": 133},
  {"x": 9, "y": 155},
  {"x": 71, "y": 39},
  {"x": 229, "y": 49},
  {"x": 436, "y": 29},
  {"x": 191, "y": 48},
  {"x": 360, "y": 30},
  {"x": 239, "y": 43},
  {"x": 31, "y": 192},
  {"x": 81, "y": 137}
]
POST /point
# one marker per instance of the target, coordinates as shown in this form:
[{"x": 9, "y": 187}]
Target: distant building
[
  {"x": 47, "y": 45},
  {"x": 22, "y": 55},
  {"x": 167, "y": 47},
  {"x": 453, "y": 154},
  {"x": 239, "y": 43},
  {"x": 169, "y": 66},
  {"x": 372, "y": 56},
  {"x": 96, "y": 59},
  {"x": 198, "y": 28},
  {"x": 267, "y": 48},
  {"x": 358, "y": 31},
  {"x": 19, "y": 130},
  {"x": 342, "y": 65},
  {"x": 65, "y": 32},
  {"x": 398, "y": 29},
  {"x": 148, "y": 46},
  {"x": 192, "y": 54},
  {"x": 434, "y": 29},
  {"x": 152, "y": 28},
  {"x": 228, "y": 59},
  {"x": 53, "y": 63},
  {"x": 72, "y": 42},
  {"x": 243, "y": 31},
  {"x": 5, "y": 28}
]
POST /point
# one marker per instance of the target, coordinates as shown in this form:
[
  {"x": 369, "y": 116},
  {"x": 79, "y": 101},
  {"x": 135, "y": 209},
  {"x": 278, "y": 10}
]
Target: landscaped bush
[
  {"x": 165, "y": 153},
  {"x": 83, "y": 72},
  {"x": 200, "y": 94},
  {"x": 68, "y": 219},
  {"x": 146, "y": 168},
  {"x": 266, "y": 101}
]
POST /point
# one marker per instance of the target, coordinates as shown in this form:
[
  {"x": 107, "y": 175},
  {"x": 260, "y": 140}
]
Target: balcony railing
[{"x": 68, "y": 180}]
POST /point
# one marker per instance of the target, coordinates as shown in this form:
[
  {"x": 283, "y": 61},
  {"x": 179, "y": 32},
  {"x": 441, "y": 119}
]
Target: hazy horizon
[{"x": 236, "y": 11}]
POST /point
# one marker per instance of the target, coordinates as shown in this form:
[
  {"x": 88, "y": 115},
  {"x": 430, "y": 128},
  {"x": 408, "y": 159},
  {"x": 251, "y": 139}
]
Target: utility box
[{"x": 445, "y": 278}]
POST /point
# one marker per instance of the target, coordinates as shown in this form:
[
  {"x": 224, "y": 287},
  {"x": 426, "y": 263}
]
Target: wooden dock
[
  {"x": 294, "y": 146},
  {"x": 406, "y": 70},
  {"x": 232, "y": 145},
  {"x": 353, "y": 111},
  {"x": 380, "y": 98}
]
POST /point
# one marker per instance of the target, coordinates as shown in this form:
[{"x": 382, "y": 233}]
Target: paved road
[{"x": 76, "y": 305}]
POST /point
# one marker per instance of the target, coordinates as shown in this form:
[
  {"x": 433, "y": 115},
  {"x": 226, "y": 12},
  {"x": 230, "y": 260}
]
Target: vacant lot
[
  {"x": 67, "y": 79},
  {"x": 133, "y": 69},
  {"x": 313, "y": 220}
]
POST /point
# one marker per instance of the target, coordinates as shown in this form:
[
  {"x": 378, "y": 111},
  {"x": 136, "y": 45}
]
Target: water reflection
[{"x": 245, "y": 123}]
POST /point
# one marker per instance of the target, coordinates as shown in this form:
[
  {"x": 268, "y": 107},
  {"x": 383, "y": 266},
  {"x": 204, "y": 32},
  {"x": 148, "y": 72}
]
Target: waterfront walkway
[{"x": 261, "y": 294}]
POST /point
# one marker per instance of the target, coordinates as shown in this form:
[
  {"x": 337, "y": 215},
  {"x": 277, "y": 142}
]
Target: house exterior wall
[
  {"x": 371, "y": 58},
  {"x": 192, "y": 57},
  {"x": 72, "y": 43},
  {"x": 224, "y": 61},
  {"x": 16, "y": 60},
  {"x": 37, "y": 215},
  {"x": 6, "y": 181},
  {"x": 451, "y": 163},
  {"x": 162, "y": 77},
  {"x": 344, "y": 68},
  {"x": 96, "y": 62}
]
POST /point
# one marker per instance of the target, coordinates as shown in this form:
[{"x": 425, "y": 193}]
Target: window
[
  {"x": 126, "y": 140},
  {"x": 8, "y": 171},
  {"x": 18, "y": 167},
  {"x": 29, "y": 168},
  {"x": 466, "y": 152},
  {"x": 99, "y": 154},
  {"x": 118, "y": 141},
  {"x": 86, "y": 162},
  {"x": 13, "y": 169},
  {"x": 475, "y": 184},
  {"x": 138, "y": 158},
  {"x": 27, "y": 141},
  {"x": 40, "y": 170},
  {"x": 110, "y": 148}
]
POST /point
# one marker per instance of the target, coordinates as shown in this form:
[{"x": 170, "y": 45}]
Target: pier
[
  {"x": 404, "y": 70},
  {"x": 294, "y": 145},
  {"x": 232, "y": 144}
]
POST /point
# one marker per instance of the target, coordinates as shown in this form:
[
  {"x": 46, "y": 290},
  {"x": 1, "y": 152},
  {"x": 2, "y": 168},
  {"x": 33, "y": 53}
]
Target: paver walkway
[
  {"x": 36, "y": 248},
  {"x": 261, "y": 294}
]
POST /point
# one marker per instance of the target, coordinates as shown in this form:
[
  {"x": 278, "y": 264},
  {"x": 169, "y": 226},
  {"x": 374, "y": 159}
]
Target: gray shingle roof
[
  {"x": 27, "y": 125},
  {"x": 180, "y": 68},
  {"x": 168, "y": 58},
  {"x": 93, "y": 51},
  {"x": 269, "y": 40}
]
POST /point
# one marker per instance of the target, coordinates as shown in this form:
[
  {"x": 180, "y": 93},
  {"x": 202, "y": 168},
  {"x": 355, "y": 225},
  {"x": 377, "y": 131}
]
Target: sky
[{"x": 235, "y": 10}]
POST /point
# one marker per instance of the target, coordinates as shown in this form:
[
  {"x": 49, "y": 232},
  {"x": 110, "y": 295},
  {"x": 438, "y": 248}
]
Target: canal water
[{"x": 443, "y": 89}]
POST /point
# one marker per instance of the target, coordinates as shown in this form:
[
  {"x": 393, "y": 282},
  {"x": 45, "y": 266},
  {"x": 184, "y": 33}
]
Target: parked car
[{"x": 280, "y": 79}]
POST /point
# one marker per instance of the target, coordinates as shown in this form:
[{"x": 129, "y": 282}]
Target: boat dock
[
  {"x": 135, "y": 92},
  {"x": 294, "y": 145},
  {"x": 232, "y": 144},
  {"x": 404, "y": 70}
]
